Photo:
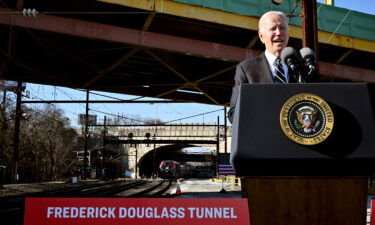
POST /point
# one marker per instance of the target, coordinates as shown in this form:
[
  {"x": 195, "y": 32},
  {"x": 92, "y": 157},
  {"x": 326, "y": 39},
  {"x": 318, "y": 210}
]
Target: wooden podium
[{"x": 292, "y": 183}]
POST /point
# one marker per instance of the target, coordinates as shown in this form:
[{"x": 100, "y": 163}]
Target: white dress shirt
[{"x": 271, "y": 60}]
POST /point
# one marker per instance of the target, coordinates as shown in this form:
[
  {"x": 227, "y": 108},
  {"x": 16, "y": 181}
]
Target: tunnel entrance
[{"x": 203, "y": 160}]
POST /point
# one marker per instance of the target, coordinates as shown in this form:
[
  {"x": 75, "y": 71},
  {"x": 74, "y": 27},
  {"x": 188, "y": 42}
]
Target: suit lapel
[{"x": 263, "y": 70}]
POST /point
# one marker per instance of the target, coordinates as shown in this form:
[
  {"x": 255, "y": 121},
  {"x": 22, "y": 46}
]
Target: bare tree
[
  {"x": 49, "y": 141},
  {"x": 5, "y": 133},
  {"x": 46, "y": 143}
]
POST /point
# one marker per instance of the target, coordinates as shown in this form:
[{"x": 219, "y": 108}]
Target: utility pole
[
  {"x": 310, "y": 26},
  {"x": 86, "y": 135},
  {"x": 136, "y": 161},
  {"x": 154, "y": 156},
  {"x": 2, "y": 143},
  {"x": 225, "y": 130},
  {"x": 16, "y": 136},
  {"x": 4, "y": 125},
  {"x": 218, "y": 145},
  {"x": 102, "y": 160}
]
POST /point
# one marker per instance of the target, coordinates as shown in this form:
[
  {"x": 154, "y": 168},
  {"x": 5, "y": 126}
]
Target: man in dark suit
[{"x": 267, "y": 67}]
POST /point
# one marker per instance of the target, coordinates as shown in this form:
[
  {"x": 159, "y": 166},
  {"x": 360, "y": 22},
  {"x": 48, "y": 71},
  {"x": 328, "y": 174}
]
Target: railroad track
[{"x": 12, "y": 207}]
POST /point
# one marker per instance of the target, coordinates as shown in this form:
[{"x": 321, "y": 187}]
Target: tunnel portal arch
[{"x": 149, "y": 163}]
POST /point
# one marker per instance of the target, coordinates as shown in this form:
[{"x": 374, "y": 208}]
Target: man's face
[{"x": 274, "y": 33}]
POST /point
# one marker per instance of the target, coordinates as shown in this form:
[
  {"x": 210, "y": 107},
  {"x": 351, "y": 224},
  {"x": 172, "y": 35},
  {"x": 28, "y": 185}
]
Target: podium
[{"x": 304, "y": 152}]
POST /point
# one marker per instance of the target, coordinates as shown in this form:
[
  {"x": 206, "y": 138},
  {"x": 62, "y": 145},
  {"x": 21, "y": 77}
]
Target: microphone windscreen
[
  {"x": 286, "y": 53},
  {"x": 306, "y": 51}
]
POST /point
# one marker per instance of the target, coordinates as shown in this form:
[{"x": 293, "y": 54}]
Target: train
[{"x": 170, "y": 169}]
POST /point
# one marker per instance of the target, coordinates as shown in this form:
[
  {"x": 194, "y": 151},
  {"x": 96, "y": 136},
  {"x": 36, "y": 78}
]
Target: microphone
[
  {"x": 308, "y": 58},
  {"x": 290, "y": 57}
]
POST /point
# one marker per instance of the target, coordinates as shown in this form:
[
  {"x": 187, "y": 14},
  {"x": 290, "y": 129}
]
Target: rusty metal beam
[
  {"x": 206, "y": 94},
  {"x": 217, "y": 73},
  {"x": 344, "y": 56},
  {"x": 13, "y": 36},
  {"x": 187, "y": 84},
  {"x": 346, "y": 72},
  {"x": 310, "y": 26},
  {"x": 198, "y": 81},
  {"x": 112, "y": 67},
  {"x": 173, "y": 90},
  {"x": 188, "y": 46},
  {"x": 148, "y": 21},
  {"x": 180, "y": 75},
  {"x": 92, "y": 30},
  {"x": 183, "y": 10},
  {"x": 253, "y": 41},
  {"x": 35, "y": 71},
  {"x": 3, "y": 65},
  {"x": 79, "y": 59}
]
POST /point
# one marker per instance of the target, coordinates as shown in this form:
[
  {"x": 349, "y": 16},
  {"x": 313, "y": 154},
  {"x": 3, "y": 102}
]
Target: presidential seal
[{"x": 306, "y": 119}]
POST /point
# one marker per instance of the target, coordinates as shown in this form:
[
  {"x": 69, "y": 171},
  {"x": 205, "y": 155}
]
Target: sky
[
  {"x": 365, "y": 6},
  {"x": 176, "y": 112}
]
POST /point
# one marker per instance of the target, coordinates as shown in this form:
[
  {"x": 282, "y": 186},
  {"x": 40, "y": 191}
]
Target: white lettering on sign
[
  {"x": 81, "y": 212},
  {"x": 151, "y": 212},
  {"x": 212, "y": 212},
  {"x": 141, "y": 212}
]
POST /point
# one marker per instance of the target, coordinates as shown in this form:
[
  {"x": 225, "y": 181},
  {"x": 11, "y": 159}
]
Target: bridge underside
[{"x": 147, "y": 52}]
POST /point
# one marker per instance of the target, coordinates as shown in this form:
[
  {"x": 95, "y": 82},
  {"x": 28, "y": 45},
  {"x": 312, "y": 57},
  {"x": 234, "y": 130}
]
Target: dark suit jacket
[{"x": 255, "y": 70}]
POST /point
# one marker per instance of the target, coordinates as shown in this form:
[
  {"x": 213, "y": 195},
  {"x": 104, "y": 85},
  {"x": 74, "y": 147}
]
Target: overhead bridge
[
  {"x": 171, "y": 141},
  {"x": 181, "y": 50},
  {"x": 141, "y": 148}
]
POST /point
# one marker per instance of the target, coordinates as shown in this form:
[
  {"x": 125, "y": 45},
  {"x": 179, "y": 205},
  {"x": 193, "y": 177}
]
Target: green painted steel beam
[
  {"x": 245, "y": 14},
  {"x": 330, "y": 18}
]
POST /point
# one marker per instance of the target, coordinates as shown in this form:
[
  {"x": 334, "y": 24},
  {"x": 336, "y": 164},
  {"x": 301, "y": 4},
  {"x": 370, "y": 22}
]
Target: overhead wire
[
  {"x": 200, "y": 114},
  {"x": 123, "y": 117},
  {"x": 96, "y": 110},
  {"x": 341, "y": 22},
  {"x": 104, "y": 105},
  {"x": 338, "y": 26},
  {"x": 40, "y": 111},
  {"x": 91, "y": 109},
  {"x": 35, "y": 97},
  {"x": 84, "y": 105}
]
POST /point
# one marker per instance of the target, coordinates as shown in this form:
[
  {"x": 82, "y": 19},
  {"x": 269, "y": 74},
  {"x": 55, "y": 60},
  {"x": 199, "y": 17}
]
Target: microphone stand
[{"x": 300, "y": 79}]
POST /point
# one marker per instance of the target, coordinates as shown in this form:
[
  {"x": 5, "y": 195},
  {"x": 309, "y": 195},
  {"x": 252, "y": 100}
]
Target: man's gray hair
[{"x": 268, "y": 13}]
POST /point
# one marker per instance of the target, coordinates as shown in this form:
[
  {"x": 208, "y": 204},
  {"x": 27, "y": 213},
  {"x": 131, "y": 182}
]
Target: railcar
[{"x": 170, "y": 169}]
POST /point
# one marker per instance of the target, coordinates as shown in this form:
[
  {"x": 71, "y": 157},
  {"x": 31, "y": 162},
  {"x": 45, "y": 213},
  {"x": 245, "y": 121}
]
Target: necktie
[{"x": 279, "y": 74}]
